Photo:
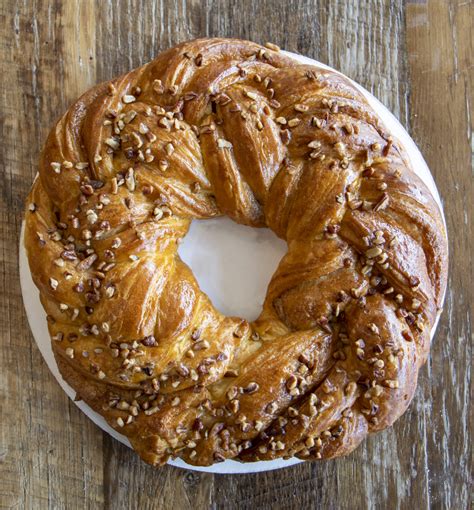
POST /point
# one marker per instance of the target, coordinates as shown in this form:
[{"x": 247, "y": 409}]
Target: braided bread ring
[{"x": 218, "y": 126}]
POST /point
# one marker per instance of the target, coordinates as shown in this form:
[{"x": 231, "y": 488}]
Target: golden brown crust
[{"x": 221, "y": 126}]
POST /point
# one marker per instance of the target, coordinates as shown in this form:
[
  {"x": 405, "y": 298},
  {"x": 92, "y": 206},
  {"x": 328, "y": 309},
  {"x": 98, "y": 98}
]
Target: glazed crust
[{"x": 227, "y": 127}]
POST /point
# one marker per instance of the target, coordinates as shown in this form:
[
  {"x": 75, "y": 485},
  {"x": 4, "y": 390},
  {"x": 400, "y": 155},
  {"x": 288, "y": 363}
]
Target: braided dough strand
[{"x": 226, "y": 127}]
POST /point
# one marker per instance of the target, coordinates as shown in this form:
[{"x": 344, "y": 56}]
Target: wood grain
[
  {"x": 440, "y": 49},
  {"x": 416, "y": 56}
]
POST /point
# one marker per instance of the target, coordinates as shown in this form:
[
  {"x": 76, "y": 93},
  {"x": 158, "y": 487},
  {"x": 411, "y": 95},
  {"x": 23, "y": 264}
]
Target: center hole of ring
[{"x": 232, "y": 263}]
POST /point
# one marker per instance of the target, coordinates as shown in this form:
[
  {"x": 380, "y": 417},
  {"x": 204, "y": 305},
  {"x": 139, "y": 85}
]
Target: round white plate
[{"x": 242, "y": 259}]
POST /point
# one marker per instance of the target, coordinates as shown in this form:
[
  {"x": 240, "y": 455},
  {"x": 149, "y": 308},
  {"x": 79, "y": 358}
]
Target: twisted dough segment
[{"x": 220, "y": 126}]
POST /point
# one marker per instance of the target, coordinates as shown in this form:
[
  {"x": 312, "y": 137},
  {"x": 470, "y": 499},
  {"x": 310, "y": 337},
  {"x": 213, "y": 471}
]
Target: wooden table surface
[{"x": 415, "y": 56}]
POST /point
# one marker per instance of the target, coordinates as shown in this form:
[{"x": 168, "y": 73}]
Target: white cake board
[{"x": 243, "y": 259}]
